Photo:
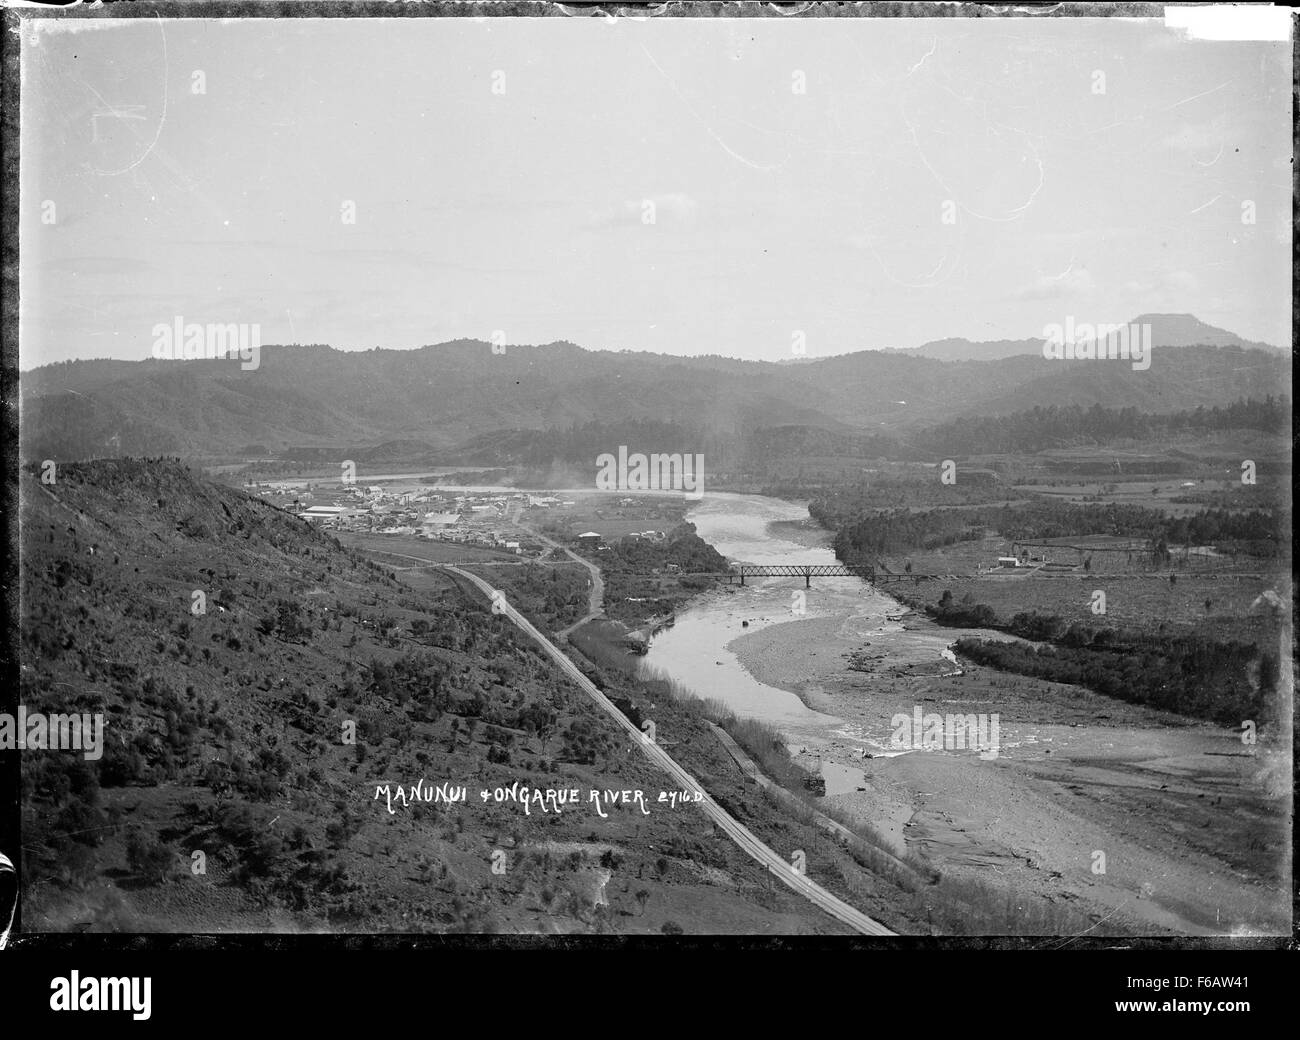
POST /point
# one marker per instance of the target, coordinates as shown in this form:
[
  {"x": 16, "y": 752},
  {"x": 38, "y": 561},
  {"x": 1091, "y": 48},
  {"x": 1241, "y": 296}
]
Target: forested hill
[
  {"x": 456, "y": 399},
  {"x": 1040, "y": 428}
]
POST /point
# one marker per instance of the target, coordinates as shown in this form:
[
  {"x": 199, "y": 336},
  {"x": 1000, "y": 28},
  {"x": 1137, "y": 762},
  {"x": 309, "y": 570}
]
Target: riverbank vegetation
[{"x": 649, "y": 578}]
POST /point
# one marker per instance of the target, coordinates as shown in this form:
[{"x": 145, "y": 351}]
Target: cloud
[
  {"x": 75, "y": 266},
  {"x": 675, "y": 209},
  {"x": 1180, "y": 281},
  {"x": 1169, "y": 288},
  {"x": 1093, "y": 236},
  {"x": 412, "y": 259},
  {"x": 498, "y": 204},
  {"x": 1196, "y": 138},
  {"x": 1070, "y": 282}
]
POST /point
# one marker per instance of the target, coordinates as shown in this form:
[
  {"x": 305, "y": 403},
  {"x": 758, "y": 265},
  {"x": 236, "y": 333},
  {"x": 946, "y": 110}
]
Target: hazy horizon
[
  {"x": 586, "y": 347},
  {"x": 869, "y": 183}
]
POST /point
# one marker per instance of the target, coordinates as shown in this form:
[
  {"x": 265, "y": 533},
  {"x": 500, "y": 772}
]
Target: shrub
[{"x": 147, "y": 856}]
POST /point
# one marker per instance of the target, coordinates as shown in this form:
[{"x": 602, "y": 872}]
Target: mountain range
[
  {"x": 1167, "y": 330},
  {"x": 447, "y": 402}
]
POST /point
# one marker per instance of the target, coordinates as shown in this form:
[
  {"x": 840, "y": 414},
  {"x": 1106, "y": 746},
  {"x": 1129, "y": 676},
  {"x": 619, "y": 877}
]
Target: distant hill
[
  {"x": 1167, "y": 330},
  {"x": 460, "y": 402}
]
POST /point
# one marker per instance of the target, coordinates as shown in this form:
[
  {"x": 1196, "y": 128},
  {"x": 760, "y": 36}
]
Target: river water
[
  {"x": 694, "y": 651},
  {"x": 1065, "y": 784}
]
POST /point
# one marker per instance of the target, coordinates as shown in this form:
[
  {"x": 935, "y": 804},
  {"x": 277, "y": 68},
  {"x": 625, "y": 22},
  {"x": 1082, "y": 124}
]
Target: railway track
[{"x": 733, "y": 828}]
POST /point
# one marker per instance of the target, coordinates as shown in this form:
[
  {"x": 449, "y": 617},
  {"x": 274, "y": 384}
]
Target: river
[
  {"x": 1076, "y": 772},
  {"x": 755, "y": 529}
]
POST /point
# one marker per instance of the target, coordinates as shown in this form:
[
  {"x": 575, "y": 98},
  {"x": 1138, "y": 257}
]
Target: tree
[
  {"x": 546, "y": 727},
  {"x": 641, "y": 897},
  {"x": 147, "y": 857},
  {"x": 216, "y": 775}
]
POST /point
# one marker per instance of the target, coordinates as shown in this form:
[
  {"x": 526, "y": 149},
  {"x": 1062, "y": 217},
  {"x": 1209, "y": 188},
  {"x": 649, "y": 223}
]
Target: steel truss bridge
[{"x": 807, "y": 572}]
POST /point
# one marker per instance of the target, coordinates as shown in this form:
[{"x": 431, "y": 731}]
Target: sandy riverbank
[{"x": 1190, "y": 823}]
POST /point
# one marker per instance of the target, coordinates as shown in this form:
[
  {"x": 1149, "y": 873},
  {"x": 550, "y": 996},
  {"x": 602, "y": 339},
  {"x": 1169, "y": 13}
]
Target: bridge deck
[{"x": 807, "y": 571}]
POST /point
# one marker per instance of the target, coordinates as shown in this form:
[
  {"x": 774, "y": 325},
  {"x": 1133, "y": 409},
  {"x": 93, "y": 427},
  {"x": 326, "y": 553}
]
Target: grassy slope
[{"x": 224, "y": 736}]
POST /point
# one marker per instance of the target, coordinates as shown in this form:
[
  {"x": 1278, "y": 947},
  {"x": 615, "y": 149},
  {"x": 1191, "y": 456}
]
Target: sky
[{"x": 685, "y": 186}]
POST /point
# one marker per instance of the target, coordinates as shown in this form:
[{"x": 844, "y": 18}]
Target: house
[
  {"x": 325, "y": 513},
  {"x": 589, "y": 540},
  {"x": 1008, "y": 561}
]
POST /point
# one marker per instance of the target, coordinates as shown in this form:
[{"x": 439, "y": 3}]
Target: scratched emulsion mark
[
  {"x": 8, "y": 897},
  {"x": 123, "y": 119}
]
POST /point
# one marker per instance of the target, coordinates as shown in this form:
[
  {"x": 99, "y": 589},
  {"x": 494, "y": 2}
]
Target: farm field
[
  {"x": 1171, "y": 496},
  {"x": 1207, "y": 592}
]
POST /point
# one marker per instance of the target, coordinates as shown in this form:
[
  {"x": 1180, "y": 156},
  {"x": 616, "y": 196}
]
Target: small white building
[{"x": 325, "y": 512}]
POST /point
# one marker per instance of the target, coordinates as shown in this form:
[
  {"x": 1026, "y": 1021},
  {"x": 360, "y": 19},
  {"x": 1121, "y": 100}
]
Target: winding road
[{"x": 596, "y": 592}]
